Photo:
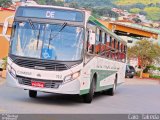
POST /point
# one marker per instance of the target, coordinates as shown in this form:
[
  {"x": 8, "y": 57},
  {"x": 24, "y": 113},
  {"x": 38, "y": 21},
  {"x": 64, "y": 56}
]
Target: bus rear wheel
[
  {"x": 32, "y": 93},
  {"x": 112, "y": 90},
  {"x": 88, "y": 97}
]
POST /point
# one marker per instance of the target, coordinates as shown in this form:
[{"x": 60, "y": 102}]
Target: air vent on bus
[{"x": 40, "y": 65}]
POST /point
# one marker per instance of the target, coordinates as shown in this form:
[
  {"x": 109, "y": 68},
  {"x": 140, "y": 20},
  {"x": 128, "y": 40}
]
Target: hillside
[
  {"x": 130, "y": 2},
  {"x": 149, "y": 8}
]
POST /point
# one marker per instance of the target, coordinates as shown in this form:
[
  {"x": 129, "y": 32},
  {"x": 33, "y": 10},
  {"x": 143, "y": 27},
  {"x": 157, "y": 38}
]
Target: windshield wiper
[
  {"x": 51, "y": 38},
  {"x": 38, "y": 36},
  {"x": 33, "y": 27}
]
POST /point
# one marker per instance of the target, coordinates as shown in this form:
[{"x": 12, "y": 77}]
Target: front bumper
[{"x": 72, "y": 87}]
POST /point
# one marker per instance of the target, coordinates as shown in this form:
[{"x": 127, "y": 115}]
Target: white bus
[{"x": 64, "y": 50}]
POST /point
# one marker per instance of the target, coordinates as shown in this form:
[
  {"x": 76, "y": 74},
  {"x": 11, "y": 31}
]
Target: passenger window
[
  {"x": 100, "y": 35},
  {"x": 103, "y": 46},
  {"x": 118, "y": 45},
  {"x": 115, "y": 42},
  {"x": 97, "y": 35},
  {"x": 110, "y": 43},
  {"x": 103, "y": 37},
  {"x": 90, "y": 47},
  {"x": 98, "y": 41}
]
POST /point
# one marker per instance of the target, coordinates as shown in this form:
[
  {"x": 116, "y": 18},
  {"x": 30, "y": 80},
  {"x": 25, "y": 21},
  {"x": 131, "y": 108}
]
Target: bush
[
  {"x": 138, "y": 73},
  {"x": 4, "y": 64},
  {"x": 152, "y": 67},
  {"x": 135, "y": 10},
  {"x": 146, "y": 70},
  {"x": 154, "y": 76}
]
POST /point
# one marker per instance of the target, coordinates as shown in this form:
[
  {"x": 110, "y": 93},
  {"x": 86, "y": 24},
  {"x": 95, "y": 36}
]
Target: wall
[
  {"x": 4, "y": 44},
  {"x": 4, "y": 47}
]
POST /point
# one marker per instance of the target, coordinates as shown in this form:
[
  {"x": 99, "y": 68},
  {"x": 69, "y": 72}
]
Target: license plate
[{"x": 38, "y": 84}]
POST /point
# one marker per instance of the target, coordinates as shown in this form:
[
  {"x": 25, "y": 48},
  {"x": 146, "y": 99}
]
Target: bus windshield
[{"x": 59, "y": 42}]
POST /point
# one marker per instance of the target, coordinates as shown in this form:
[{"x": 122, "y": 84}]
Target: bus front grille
[
  {"x": 41, "y": 65},
  {"x": 47, "y": 83}
]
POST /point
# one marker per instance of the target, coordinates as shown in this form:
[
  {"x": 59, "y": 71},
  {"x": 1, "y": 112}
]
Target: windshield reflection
[{"x": 47, "y": 41}]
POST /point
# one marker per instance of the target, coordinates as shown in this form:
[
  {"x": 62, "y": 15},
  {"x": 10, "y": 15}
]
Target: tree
[
  {"x": 73, "y": 5},
  {"x": 153, "y": 13},
  {"x": 146, "y": 51},
  {"x": 105, "y": 11},
  {"x": 137, "y": 20},
  {"x": 5, "y": 3},
  {"x": 142, "y": 13},
  {"x": 135, "y": 10}
]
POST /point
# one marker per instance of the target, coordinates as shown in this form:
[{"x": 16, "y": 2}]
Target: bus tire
[
  {"x": 131, "y": 76},
  {"x": 32, "y": 93},
  {"x": 112, "y": 90},
  {"x": 88, "y": 97}
]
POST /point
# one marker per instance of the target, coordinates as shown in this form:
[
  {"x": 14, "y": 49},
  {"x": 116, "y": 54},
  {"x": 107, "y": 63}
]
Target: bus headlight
[
  {"x": 71, "y": 77},
  {"x": 11, "y": 71}
]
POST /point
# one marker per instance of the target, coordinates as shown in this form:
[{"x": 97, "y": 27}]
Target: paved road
[{"x": 135, "y": 96}]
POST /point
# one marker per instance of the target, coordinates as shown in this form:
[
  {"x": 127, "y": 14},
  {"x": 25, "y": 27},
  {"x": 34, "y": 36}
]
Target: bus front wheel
[
  {"x": 32, "y": 93},
  {"x": 88, "y": 97}
]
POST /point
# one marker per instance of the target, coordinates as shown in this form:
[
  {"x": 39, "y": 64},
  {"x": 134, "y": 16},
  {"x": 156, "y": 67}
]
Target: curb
[{"x": 147, "y": 78}]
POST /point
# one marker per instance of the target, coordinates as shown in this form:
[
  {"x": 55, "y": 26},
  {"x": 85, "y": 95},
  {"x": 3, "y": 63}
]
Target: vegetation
[
  {"x": 104, "y": 11},
  {"x": 150, "y": 8},
  {"x": 5, "y": 3},
  {"x": 50, "y": 2},
  {"x": 135, "y": 10},
  {"x": 129, "y": 2},
  {"x": 4, "y": 64},
  {"x": 153, "y": 13},
  {"x": 155, "y": 76},
  {"x": 146, "y": 51}
]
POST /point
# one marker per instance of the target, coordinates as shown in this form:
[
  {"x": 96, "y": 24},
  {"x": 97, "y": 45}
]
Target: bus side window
[
  {"x": 118, "y": 52},
  {"x": 103, "y": 46},
  {"x": 115, "y": 42},
  {"x": 112, "y": 49},
  {"x": 87, "y": 45},
  {"x": 98, "y": 41},
  {"x": 107, "y": 39},
  {"x": 125, "y": 52},
  {"x": 100, "y": 36},
  {"x": 90, "y": 47},
  {"x": 110, "y": 43},
  {"x": 118, "y": 45}
]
